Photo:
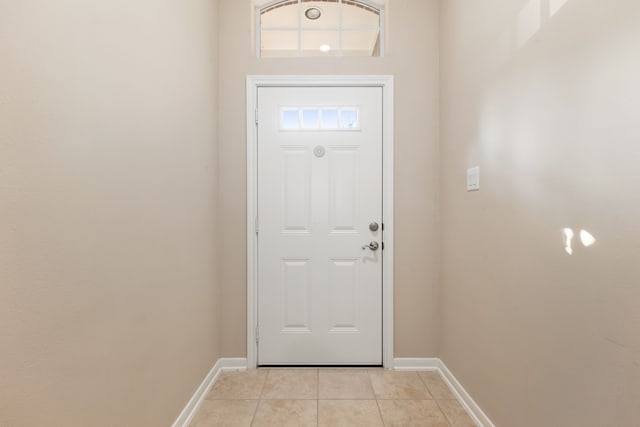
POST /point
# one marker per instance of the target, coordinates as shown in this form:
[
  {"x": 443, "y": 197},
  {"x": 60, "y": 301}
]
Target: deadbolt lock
[{"x": 374, "y": 226}]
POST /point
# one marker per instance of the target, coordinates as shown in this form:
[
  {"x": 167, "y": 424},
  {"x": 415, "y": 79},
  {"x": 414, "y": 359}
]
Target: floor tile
[
  {"x": 349, "y": 413},
  {"x": 291, "y": 384},
  {"x": 225, "y": 413},
  {"x": 436, "y": 385},
  {"x": 412, "y": 413},
  {"x": 286, "y": 413},
  {"x": 344, "y": 384},
  {"x": 456, "y": 414},
  {"x": 347, "y": 397},
  {"x": 239, "y": 385},
  {"x": 398, "y": 385}
]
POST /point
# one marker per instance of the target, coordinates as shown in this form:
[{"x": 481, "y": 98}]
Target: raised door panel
[
  {"x": 344, "y": 282},
  {"x": 296, "y": 190},
  {"x": 343, "y": 189},
  {"x": 296, "y": 295}
]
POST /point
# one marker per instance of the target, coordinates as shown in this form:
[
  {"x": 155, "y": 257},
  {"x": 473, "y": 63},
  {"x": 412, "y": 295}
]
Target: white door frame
[{"x": 384, "y": 82}]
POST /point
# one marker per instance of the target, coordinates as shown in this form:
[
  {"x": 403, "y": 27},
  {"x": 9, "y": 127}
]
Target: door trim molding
[{"x": 386, "y": 83}]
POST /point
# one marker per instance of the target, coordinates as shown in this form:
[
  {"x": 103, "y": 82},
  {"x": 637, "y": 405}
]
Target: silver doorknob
[{"x": 373, "y": 246}]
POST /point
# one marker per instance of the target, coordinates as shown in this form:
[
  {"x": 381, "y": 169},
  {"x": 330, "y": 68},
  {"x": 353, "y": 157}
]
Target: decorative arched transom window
[{"x": 295, "y": 28}]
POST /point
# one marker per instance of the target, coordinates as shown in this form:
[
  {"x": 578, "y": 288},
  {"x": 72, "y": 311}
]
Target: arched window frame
[{"x": 367, "y": 4}]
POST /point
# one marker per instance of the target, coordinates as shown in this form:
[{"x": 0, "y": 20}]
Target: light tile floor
[{"x": 331, "y": 397}]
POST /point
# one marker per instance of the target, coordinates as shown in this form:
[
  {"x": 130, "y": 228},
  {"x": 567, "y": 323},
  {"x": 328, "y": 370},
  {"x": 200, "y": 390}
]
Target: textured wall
[
  {"x": 544, "y": 96},
  {"x": 107, "y": 210},
  {"x": 412, "y": 57}
]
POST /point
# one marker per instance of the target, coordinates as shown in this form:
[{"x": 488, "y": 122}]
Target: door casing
[{"x": 386, "y": 83}]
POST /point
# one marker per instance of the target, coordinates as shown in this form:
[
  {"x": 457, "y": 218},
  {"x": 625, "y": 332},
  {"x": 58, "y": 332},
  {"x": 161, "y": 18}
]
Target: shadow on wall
[
  {"x": 520, "y": 28},
  {"x": 533, "y": 16}
]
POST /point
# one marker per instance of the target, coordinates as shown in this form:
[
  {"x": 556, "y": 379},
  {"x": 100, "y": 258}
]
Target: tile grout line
[
  {"x": 377, "y": 402},
  {"x": 380, "y": 413},
  {"x": 426, "y": 385},
  {"x": 373, "y": 392},
  {"x": 444, "y": 413},
  {"x": 253, "y": 418},
  {"x": 318, "y": 400},
  {"x": 264, "y": 384},
  {"x": 255, "y": 411},
  {"x": 434, "y": 398}
]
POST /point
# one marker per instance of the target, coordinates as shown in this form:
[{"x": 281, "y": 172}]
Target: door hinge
[
  {"x": 256, "y": 115},
  {"x": 257, "y": 334},
  {"x": 257, "y": 225}
]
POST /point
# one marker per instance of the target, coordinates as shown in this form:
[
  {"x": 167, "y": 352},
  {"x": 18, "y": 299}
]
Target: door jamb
[{"x": 386, "y": 83}]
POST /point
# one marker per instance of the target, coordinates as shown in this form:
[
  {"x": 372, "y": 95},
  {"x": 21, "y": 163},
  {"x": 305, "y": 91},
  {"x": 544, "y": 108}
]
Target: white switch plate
[{"x": 473, "y": 179}]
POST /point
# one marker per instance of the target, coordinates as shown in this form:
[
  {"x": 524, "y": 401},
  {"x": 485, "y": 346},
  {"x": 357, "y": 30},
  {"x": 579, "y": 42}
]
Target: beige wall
[
  {"x": 412, "y": 57},
  {"x": 549, "y": 108},
  {"x": 107, "y": 210},
  {"x": 112, "y": 218}
]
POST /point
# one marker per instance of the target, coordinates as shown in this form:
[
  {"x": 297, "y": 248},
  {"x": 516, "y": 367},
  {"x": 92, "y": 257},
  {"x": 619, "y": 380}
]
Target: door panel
[
  {"x": 343, "y": 189},
  {"x": 343, "y": 303},
  {"x": 319, "y": 188},
  {"x": 296, "y": 190},
  {"x": 296, "y": 302}
]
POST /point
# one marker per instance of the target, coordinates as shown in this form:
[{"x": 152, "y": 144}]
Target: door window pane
[
  {"x": 310, "y": 119},
  {"x": 319, "y": 43},
  {"x": 320, "y": 118},
  {"x": 330, "y": 119},
  {"x": 290, "y": 119},
  {"x": 282, "y": 43},
  {"x": 360, "y": 42},
  {"x": 349, "y": 119},
  {"x": 278, "y": 17}
]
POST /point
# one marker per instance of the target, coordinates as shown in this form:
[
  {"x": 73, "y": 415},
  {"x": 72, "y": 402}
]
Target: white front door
[{"x": 319, "y": 204}]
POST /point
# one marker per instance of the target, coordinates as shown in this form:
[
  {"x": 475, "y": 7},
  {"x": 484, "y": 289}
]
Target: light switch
[{"x": 473, "y": 179}]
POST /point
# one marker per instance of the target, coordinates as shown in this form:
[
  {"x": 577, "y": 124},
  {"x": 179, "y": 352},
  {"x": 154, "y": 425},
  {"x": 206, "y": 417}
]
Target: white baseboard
[
  {"x": 435, "y": 364},
  {"x": 224, "y": 364},
  {"x": 233, "y": 363},
  {"x": 416, "y": 364}
]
